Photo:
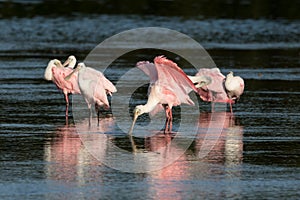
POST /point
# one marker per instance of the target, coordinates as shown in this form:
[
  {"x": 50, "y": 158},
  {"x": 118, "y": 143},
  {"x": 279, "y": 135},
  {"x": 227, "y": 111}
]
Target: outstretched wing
[
  {"x": 173, "y": 78},
  {"x": 149, "y": 69}
]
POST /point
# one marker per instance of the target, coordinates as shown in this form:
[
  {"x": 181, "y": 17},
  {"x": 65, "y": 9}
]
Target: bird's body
[
  {"x": 214, "y": 91},
  {"x": 94, "y": 87},
  {"x": 169, "y": 86},
  {"x": 56, "y": 73},
  {"x": 221, "y": 89},
  {"x": 234, "y": 86}
]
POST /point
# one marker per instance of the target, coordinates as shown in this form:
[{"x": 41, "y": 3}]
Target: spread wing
[
  {"x": 172, "y": 78},
  {"x": 149, "y": 69}
]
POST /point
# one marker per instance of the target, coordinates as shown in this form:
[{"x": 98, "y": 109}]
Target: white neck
[{"x": 149, "y": 106}]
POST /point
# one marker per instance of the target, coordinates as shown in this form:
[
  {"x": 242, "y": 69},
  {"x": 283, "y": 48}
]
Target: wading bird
[
  {"x": 234, "y": 86},
  {"x": 220, "y": 89},
  {"x": 94, "y": 87},
  {"x": 56, "y": 73},
  {"x": 169, "y": 86}
]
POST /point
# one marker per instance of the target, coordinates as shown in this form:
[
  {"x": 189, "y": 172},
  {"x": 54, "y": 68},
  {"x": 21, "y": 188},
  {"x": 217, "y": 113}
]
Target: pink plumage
[
  {"x": 214, "y": 91},
  {"x": 220, "y": 89},
  {"x": 169, "y": 86},
  {"x": 56, "y": 73},
  {"x": 94, "y": 87}
]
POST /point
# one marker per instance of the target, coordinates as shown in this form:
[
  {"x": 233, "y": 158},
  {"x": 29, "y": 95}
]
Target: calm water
[{"x": 256, "y": 156}]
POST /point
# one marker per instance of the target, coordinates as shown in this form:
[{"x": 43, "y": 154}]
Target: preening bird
[
  {"x": 219, "y": 89},
  {"x": 94, "y": 87},
  {"x": 234, "y": 86},
  {"x": 56, "y": 73},
  {"x": 70, "y": 62},
  {"x": 169, "y": 86}
]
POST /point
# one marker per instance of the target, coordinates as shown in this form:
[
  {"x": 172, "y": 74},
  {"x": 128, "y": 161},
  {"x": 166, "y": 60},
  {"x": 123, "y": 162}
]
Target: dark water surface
[{"x": 256, "y": 156}]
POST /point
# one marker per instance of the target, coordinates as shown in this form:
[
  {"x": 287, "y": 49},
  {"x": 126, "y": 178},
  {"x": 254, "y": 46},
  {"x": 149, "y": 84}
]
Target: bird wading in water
[
  {"x": 169, "y": 86},
  {"x": 94, "y": 87}
]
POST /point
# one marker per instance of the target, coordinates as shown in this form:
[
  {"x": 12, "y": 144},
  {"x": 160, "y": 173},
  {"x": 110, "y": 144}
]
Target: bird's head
[
  {"x": 203, "y": 81},
  {"x": 138, "y": 110},
  {"x": 71, "y": 61},
  {"x": 136, "y": 113},
  {"x": 48, "y": 71},
  {"x": 229, "y": 75},
  {"x": 57, "y": 63},
  {"x": 79, "y": 67}
]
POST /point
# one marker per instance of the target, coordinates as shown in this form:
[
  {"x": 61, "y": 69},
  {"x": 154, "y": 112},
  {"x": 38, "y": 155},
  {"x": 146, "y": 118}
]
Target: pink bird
[
  {"x": 218, "y": 88},
  {"x": 94, "y": 87},
  {"x": 56, "y": 73},
  {"x": 169, "y": 86}
]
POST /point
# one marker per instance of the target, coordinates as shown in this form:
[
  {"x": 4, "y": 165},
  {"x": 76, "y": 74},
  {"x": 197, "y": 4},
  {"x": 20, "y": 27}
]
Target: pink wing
[
  {"x": 215, "y": 91},
  {"x": 92, "y": 74},
  {"x": 174, "y": 80},
  {"x": 71, "y": 85},
  {"x": 149, "y": 69},
  {"x": 97, "y": 86}
]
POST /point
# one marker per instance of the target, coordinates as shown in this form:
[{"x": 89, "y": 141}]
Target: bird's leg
[
  {"x": 170, "y": 120},
  {"x": 168, "y": 125},
  {"x": 97, "y": 108},
  {"x": 167, "y": 119},
  {"x": 90, "y": 113},
  {"x": 230, "y": 107},
  {"x": 212, "y": 106},
  {"x": 67, "y": 108}
]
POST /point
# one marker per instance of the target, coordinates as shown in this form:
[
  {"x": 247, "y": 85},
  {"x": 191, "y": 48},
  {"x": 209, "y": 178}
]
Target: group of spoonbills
[
  {"x": 169, "y": 86},
  {"x": 92, "y": 84}
]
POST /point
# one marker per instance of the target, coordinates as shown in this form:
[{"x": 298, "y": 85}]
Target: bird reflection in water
[
  {"x": 205, "y": 158},
  {"x": 66, "y": 152},
  {"x": 219, "y": 139}
]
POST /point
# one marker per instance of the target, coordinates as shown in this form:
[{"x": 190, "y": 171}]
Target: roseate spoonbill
[
  {"x": 234, "y": 86},
  {"x": 70, "y": 62},
  {"x": 94, "y": 87},
  {"x": 215, "y": 90},
  {"x": 56, "y": 73},
  {"x": 169, "y": 86}
]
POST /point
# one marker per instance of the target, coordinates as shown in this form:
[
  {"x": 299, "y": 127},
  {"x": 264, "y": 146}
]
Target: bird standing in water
[
  {"x": 94, "y": 87},
  {"x": 56, "y": 73},
  {"x": 234, "y": 86},
  {"x": 220, "y": 89},
  {"x": 169, "y": 86}
]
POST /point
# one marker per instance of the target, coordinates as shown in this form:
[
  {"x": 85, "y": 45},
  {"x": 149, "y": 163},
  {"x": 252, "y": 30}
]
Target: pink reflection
[
  {"x": 178, "y": 170},
  {"x": 62, "y": 153},
  {"x": 67, "y": 155},
  {"x": 219, "y": 139}
]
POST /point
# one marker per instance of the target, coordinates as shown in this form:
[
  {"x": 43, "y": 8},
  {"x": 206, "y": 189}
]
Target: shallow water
[{"x": 255, "y": 156}]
